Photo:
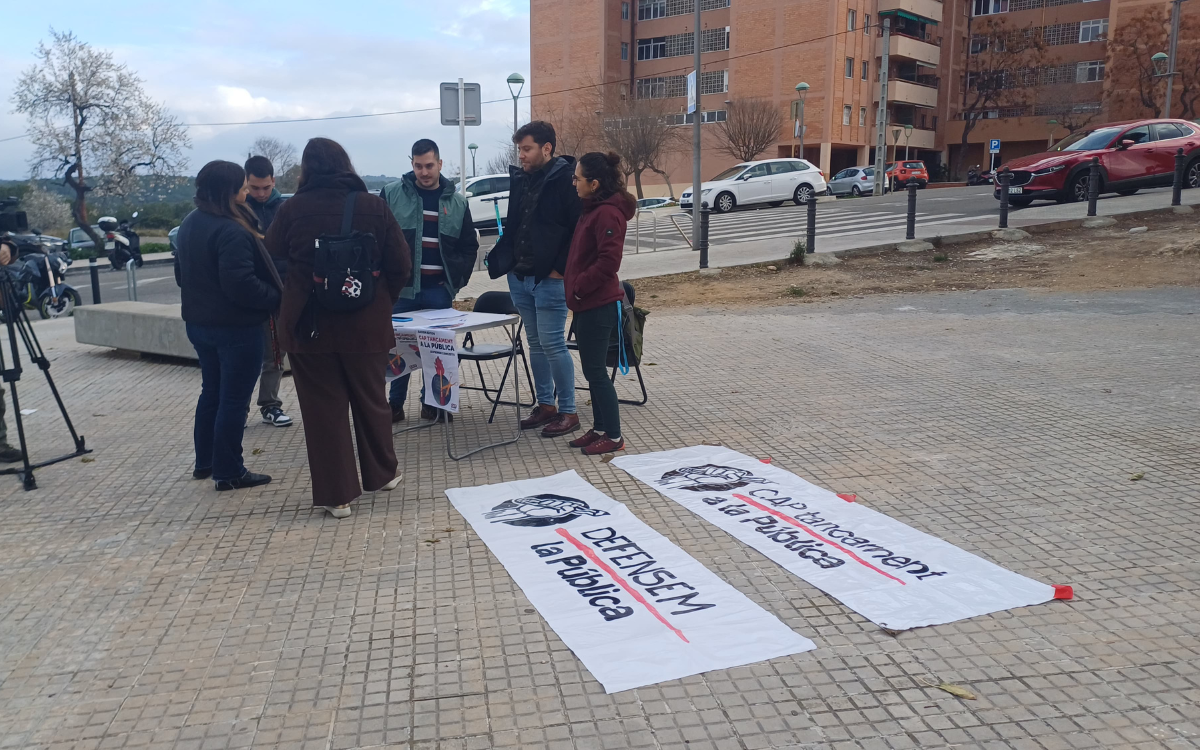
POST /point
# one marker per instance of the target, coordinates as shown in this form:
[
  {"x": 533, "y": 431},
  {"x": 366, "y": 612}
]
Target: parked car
[
  {"x": 902, "y": 173},
  {"x": 768, "y": 181},
  {"x": 77, "y": 239},
  {"x": 36, "y": 241},
  {"x": 646, "y": 203},
  {"x": 1133, "y": 155},
  {"x": 172, "y": 241},
  {"x": 854, "y": 181},
  {"x": 485, "y": 194}
]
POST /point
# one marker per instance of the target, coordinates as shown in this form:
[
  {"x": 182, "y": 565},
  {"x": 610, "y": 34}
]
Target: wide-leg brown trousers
[{"x": 330, "y": 387}]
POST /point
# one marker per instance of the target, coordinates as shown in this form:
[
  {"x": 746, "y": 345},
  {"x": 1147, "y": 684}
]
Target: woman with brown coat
[{"x": 340, "y": 370}]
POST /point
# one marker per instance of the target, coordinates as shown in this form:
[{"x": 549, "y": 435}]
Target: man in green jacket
[{"x": 437, "y": 225}]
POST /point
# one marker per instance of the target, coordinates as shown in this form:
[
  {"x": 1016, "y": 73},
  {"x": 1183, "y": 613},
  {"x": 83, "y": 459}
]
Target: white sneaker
[
  {"x": 275, "y": 416},
  {"x": 392, "y": 484},
  {"x": 340, "y": 511}
]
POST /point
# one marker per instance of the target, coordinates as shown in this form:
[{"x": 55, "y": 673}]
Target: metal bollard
[
  {"x": 131, "y": 280},
  {"x": 911, "y": 230},
  {"x": 1093, "y": 185},
  {"x": 810, "y": 240},
  {"x": 1005, "y": 181},
  {"x": 94, "y": 272},
  {"x": 1177, "y": 185},
  {"x": 704, "y": 214}
]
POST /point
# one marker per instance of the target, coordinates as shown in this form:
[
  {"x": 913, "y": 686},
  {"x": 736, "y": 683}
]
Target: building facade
[{"x": 760, "y": 49}]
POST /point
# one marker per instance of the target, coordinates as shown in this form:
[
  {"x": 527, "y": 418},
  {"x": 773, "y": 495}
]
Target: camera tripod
[{"x": 18, "y": 326}]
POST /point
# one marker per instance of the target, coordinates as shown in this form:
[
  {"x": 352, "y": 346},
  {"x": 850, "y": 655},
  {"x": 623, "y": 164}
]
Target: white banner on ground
[
  {"x": 405, "y": 359},
  {"x": 888, "y": 572},
  {"x": 439, "y": 361},
  {"x": 633, "y": 607}
]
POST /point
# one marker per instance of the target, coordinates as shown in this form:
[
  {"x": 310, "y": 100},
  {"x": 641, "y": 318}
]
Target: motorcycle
[
  {"x": 120, "y": 241},
  {"x": 975, "y": 177},
  {"x": 39, "y": 275}
]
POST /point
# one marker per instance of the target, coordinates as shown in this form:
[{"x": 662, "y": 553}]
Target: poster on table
[
  {"x": 439, "y": 362},
  {"x": 887, "y": 571},
  {"x": 632, "y": 606},
  {"x": 405, "y": 359}
]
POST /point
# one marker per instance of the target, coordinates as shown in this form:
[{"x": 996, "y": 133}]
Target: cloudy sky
[{"x": 216, "y": 61}]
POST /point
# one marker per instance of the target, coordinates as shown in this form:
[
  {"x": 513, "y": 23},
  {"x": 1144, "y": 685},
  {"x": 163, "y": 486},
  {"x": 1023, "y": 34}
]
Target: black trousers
[{"x": 593, "y": 332}]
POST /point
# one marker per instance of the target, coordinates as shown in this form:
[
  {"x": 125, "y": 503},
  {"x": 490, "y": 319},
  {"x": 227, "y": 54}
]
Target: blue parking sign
[{"x": 994, "y": 146}]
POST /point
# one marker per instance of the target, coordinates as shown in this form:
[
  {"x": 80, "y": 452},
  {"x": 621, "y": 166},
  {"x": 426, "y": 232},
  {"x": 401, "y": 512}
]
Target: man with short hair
[
  {"x": 543, "y": 209},
  {"x": 265, "y": 200},
  {"x": 437, "y": 225}
]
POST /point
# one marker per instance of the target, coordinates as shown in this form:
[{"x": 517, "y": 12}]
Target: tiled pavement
[{"x": 141, "y": 609}]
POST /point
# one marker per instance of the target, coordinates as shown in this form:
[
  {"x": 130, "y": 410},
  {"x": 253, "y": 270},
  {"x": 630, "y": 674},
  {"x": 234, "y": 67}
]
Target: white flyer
[{"x": 632, "y": 606}]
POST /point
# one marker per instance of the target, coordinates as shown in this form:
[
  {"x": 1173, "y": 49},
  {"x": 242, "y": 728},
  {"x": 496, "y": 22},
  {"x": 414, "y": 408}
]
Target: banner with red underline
[
  {"x": 634, "y": 608},
  {"x": 890, "y": 573}
]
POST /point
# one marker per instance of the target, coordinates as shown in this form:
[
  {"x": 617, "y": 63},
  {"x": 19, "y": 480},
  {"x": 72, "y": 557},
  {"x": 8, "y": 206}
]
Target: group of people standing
[{"x": 246, "y": 264}]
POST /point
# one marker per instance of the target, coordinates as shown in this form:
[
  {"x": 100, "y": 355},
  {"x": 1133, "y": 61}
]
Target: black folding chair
[
  {"x": 612, "y": 349},
  {"x": 499, "y": 303}
]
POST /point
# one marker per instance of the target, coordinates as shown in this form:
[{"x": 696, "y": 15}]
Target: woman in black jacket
[{"x": 229, "y": 289}]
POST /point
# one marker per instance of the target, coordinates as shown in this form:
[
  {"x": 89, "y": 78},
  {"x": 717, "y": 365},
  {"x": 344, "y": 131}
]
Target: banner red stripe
[
  {"x": 830, "y": 542},
  {"x": 591, "y": 555}
]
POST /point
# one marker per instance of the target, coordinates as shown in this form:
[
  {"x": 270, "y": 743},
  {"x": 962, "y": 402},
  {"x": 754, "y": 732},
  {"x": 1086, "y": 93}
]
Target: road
[{"x": 845, "y": 217}]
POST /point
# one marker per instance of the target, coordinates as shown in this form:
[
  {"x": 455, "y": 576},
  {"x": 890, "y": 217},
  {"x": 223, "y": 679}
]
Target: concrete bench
[{"x": 142, "y": 327}]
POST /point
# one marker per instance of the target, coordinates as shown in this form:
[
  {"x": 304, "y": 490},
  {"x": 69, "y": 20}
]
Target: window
[
  {"x": 624, "y": 11},
  {"x": 850, "y": 19},
  {"x": 849, "y": 67},
  {"x": 652, "y": 49},
  {"x": 846, "y": 110},
  {"x": 1089, "y": 72},
  {"x": 661, "y": 87},
  {"x": 988, "y": 7},
  {"x": 1061, "y": 33},
  {"x": 714, "y": 82},
  {"x": 862, "y": 117},
  {"x": 624, "y": 50},
  {"x": 1165, "y": 131},
  {"x": 800, "y": 165},
  {"x": 1093, "y": 31},
  {"x": 782, "y": 167},
  {"x": 979, "y": 44},
  {"x": 756, "y": 172},
  {"x": 481, "y": 187},
  {"x": 1137, "y": 135},
  {"x": 867, "y": 24},
  {"x": 714, "y": 40},
  {"x": 707, "y": 117},
  {"x": 866, "y": 69},
  {"x": 651, "y": 9}
]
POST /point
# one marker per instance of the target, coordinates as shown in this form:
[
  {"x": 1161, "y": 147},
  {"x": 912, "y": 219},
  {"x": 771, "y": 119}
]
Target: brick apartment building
[{"x": 763, "y": 48}]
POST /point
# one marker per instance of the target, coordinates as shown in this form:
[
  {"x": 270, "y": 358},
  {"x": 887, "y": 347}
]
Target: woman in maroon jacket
[
  {"x": 339, "y": 371},
  {"x": 593, "y": 289}
]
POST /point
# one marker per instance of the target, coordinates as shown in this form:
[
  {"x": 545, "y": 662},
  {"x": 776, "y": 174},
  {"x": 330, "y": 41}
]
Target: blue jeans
[
  {"x": 543, "y": 309},
  {"x": 230, "y": 361},
  {"x": 429, "y": 298}
]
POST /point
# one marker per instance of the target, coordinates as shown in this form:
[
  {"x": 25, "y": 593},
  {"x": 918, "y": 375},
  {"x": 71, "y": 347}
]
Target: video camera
[{"x": 12, "y": 220}]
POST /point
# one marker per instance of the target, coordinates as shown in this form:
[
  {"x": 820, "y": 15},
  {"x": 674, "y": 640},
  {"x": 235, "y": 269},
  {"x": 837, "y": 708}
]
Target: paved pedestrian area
[{"x": 141, "y": 609}]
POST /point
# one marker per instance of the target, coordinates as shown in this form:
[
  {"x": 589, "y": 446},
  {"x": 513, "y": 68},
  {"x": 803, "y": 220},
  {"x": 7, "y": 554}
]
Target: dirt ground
[{"x": 1070, "y": 260}]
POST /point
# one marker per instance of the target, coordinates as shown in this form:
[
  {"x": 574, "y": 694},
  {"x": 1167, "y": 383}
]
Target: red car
[
  {"x": 908, "y": 171},
  {"x": 1133, "y": 155}
]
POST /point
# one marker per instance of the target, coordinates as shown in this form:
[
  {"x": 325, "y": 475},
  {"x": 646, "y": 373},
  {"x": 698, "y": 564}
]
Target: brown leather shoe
[
  {"x": 540, "y": 415},
  {"x": 562, "y": 424}
]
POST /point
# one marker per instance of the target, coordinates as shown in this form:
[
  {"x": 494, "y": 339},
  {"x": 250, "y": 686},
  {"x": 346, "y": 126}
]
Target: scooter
[
  {"x": 40, "y": 277},
  {"x": 120, "y": 241},
  {"x": 974, "y": 177}
]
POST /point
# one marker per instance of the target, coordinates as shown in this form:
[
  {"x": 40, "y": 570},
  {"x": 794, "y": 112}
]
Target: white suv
[
  {"x": 769, "y": 181},
  {"x": 484, "y": 194}
]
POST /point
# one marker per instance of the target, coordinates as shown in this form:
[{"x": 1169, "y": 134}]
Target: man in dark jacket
[
  {"x": 265, "y": 200},
  {"x": 543, "y": 209},
  {"x": 437, "y": 226}
]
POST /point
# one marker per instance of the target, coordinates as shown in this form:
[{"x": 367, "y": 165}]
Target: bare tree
[
  {"x": 92, "y": 125},
  {"x": 643, "y": 133},
  {"x": 751, "y": 127},
  {"x": 44, "y": 209},
  {"x": 1133, "y": 89},
  {"x": 1001, "y": 71},
  {"x": 500, "y": 163},
  {"x": 281, "y": 155}
]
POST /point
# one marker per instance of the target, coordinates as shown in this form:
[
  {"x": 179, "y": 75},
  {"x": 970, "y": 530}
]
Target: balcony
[
  {"x": 905, "y": 47},
  {"x": 931, "y": 9},
  {"x": 909, "y": 92}
]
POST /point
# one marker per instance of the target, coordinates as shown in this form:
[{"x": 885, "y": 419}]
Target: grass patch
[
  {"x": 796, "y": 291},
  {"x": 941, "y": 258},
  {"x": 155, "y": 247},
  {"x": 799, "y": 249}
]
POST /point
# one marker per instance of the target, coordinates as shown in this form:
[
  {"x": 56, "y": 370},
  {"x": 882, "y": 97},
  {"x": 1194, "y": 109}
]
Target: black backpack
[{"x": 344, "y": 269}]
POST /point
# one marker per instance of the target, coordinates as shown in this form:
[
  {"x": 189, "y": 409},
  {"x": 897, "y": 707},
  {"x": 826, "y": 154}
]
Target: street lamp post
[
  {"x": 473, "y": 148},
  {"x": 1053, "y": 124},
  {"x": 518, "y": 80},
  {"x": 802, "y": 91},
  {"x": 908, "y": 129}
]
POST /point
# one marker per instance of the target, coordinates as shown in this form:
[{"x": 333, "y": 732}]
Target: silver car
[{"x": 854, "y": 181}]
